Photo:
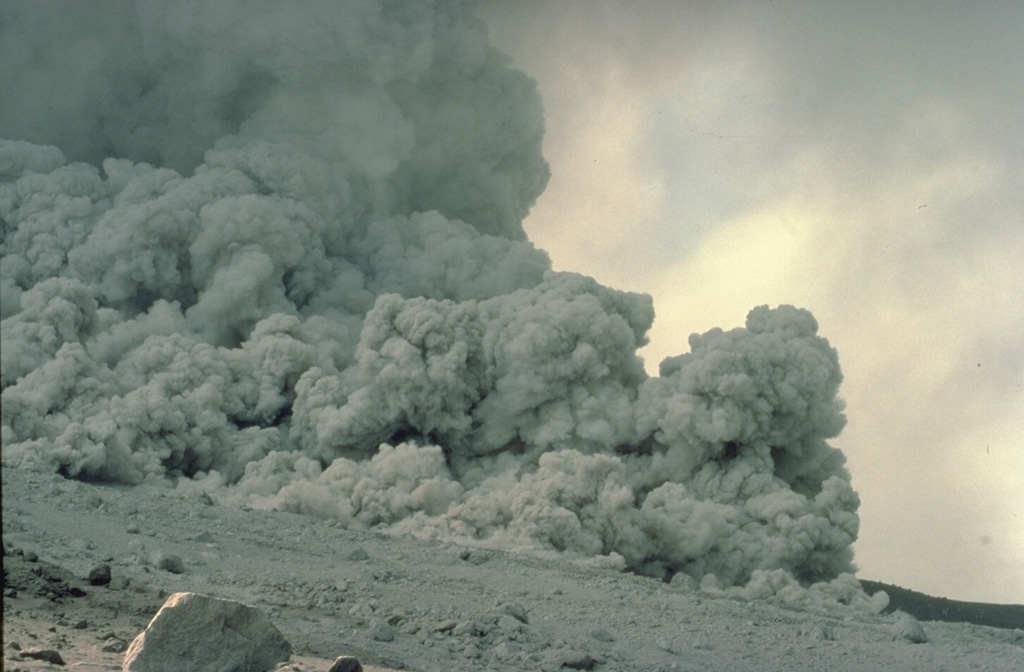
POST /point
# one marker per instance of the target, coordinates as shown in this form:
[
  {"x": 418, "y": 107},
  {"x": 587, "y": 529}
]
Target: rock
[
  {"x": 80, "y": 544},
  {"x": 506, "y": 622},
  {"x": 381, "y": 631},
  {"x": 506, "y": 650},
  {"x": 574, "y": 660},
  {"x": 906, "y": 627},
  {"x": 168, "y": 562},
  {"x": 464, "y": 628},
  {"x": 665, "y": 644},
  {"x": 358, "y": 555},
  {"x": 516, "y": 611},
  {"x": 206, "y": 634},
  {"x": 822, "y": 632},
  {"x": 346, "y": 664},
  {"x": 114, "y": 645},
  {"x": 31, "y": 556},
  {"x": 683, "y": 581},
  {"x": 602, "y": 636},
  {"x": 49, "y": 655},
  {"x": 99, "y": 575},
  {"x": 474, "y": 556},
  {"x": 119, "y": 583}
]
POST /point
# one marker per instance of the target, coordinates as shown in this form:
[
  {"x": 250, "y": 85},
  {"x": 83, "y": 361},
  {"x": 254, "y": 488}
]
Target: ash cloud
[{"x": 275, "y": 252}]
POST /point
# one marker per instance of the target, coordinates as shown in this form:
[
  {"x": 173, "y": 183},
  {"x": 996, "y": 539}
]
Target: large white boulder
[{"x": 206, "y": 634}]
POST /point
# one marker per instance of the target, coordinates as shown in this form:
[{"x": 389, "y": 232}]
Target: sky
[{"x": 862, "y": 160}]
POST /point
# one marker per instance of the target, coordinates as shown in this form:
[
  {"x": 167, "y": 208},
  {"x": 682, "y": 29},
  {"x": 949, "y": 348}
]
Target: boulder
[{"x": 206, "y": 634}]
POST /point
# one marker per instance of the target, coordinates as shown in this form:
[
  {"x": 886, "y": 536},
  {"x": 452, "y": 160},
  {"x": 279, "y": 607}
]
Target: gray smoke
[{"x": 274, "y": 251}]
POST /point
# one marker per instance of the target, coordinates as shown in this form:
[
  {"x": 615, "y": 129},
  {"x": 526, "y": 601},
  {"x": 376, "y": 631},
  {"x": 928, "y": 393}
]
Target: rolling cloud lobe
[{"x": 276, "y": 252}]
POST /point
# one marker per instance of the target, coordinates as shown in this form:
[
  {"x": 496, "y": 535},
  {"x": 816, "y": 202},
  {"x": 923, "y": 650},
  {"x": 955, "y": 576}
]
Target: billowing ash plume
[{"x": 275, "y": 251}]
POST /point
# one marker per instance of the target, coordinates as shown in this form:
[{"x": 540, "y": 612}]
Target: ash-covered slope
[
  {"x": 411, "y": 604},
  {"x": 275, "y": 253}
]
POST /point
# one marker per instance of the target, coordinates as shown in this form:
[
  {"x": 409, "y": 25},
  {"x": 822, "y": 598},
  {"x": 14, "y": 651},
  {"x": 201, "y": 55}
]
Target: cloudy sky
[{"x": 861, "y": 160}]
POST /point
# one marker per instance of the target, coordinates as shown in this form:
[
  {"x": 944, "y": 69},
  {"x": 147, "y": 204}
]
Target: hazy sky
[{"x": 861, "y": 160}]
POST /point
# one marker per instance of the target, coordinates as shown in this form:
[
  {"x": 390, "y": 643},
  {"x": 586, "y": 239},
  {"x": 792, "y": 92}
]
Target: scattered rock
[
  {"x": 39, "y": 579},
  {"x": 114, "y": 645},
  {"x": 49, "y": 655},
  {"x": 665, "y": 644},
  {"x": 464, "y": 628},
  {"x": 346, "y": 664},
  {"x": 574, "y": 660},
  {"x": 80, "y": 544},
  {"x": 119, "y": 583},
  {"x": 474, "y": 556},
  {"x": 683, "y": 581},
  {"x": 822, "y": 632},
  {"x": 206, "y": 634},
  {"x": 506, "y": 622},
  {"x": 381, "y": 631},
  {"x": 99, "y": 575},
  {"x": 516, "y": 611},
  {"x": 168, "y": 562},
  {"x": 906, "y": 627},
  {"x": 506, "y": 650}
]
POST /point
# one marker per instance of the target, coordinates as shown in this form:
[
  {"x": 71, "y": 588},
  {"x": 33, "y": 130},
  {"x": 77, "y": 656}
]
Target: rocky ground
[{"x": 402, "y": 603}]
